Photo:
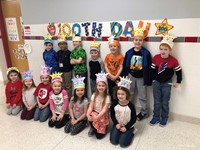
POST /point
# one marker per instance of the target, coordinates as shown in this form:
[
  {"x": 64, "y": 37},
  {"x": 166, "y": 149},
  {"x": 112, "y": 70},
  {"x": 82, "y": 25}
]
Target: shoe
[
  {"x": 91, "y": 132},
  {"x": 154, "y": 121},
  {"x": 141, "y": 116},
  {"x": 67, "y": 127},
  {"x": 163, "y": 122}
]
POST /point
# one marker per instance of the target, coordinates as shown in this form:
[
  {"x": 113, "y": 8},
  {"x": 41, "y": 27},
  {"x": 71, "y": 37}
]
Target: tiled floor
[{"x": 30, "y": 135}]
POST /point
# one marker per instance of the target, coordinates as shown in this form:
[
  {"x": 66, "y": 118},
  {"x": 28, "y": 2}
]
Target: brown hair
[
  {"x": 76, "y": 97},
  {"x": 25, "y": 87},
  {"x": 14, "y": 71},
  {"x": 128, "y": 94}
]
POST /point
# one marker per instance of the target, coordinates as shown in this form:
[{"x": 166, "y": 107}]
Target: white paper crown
[
  {"x": 75, "y": 37},
  {"x": 27, "y": 74},
  {"x": 125, "y": 82},
  {"x": 168, "y": 39},
  {"x": 102, "y": 76},
  {"x": 56, "y": 77},
  {"x": 78, "y": 82},
  {"x": 61, "y": 38},
  {"x": 45, "y": 70}
]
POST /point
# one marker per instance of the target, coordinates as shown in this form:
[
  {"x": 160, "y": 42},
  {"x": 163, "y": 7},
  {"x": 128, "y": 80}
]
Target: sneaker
[
  {"x": 141, "y": 116},
  {"x": 163, "y": 122},
  {"x": 91, "y": 132},
  {"x": 154, "y": 121}
]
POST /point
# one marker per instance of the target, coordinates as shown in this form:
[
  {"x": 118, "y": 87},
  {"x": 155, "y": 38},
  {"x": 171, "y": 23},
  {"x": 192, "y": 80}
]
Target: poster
[{"x": 12, "y": 31}]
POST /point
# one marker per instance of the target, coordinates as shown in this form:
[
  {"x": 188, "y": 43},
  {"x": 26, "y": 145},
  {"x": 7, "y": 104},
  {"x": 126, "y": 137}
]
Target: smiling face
[
  {"x": 13, "y": 76},
  {"x": 80, "y": 92},
  {"x": 77, "y": 44},
  {"x": 164, "y": 50},
  {"x": 45, "y": 79},
  {"x": 48, "y": 46},
  {"x": 101, "y": 86},
  {"x": 138, "y": 41},
  {"x": 114, "y": 49},
  {"x": 94, "y": 54},
  {"x": 121, "y": 96},
  {"x": 57, "y": 87},
  {"x": 63, "y": 45},
  {"x": 28, "y": 82}
]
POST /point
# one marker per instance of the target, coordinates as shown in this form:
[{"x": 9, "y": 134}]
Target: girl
[
  {"x": 29, "y": 99},
  {"x": 123, "y": 115},
  {"x": 13, "y": 91},
  {"x": 97, "y": 113},
  {"x": 58, "y": 102},
  {"x": 42, "y": 95},
  {"x": 78, "y": 108}
]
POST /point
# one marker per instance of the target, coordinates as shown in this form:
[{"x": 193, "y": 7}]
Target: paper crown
[
  {"x": 75, "y": 37},
  {"x": 27, "y": 74},
  {"x": 61, "y": 38},
  {"x": 78, "y": 82},
  {"x": 48, "y": 39},
  {"x": 168, "y": 39},
  {"x": 56, "y": 77},
  {"x": 125, "y": 82},
  {"x": 102, "y": 76},
  {"x": 139, "y": 32},
  {"x": 12, "y": 69},
  {"x": 113, "y": 41},
  {"x": 94, "y": 45},
  {"x": 45, "y": 70}
]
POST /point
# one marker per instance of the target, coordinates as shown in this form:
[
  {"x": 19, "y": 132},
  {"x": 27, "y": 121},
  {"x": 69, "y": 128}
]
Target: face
[
  {"x": 57, "y": 87},
  {"x": 114, "y": 49},
  {"x": 80, "y": 92},
  {"x": 138, "y": 41},
  {"x": 94, "y": 54},
  {"x": 28, "y": 82},
  {"x": 164, "y": 51},
  {"x": 101, "y": 86},
  {"x": 48, "y": 46},
  {"x": 63, "y": 45},
  {"x": 76, "y": 44},
  {"x": 45, "y": 79},
  {"x": 121, "y": 95},
  {"x": 13, "y": 76}
]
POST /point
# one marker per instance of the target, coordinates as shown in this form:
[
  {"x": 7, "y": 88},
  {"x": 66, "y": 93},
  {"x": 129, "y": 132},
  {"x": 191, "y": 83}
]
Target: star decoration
[{"x": 163, "y": 28}]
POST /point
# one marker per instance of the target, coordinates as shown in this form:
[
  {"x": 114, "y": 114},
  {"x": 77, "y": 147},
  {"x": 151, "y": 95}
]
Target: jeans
[
  {"x": 122, "y": 138},
  {"x": 42, "y": 114},
  {"x": 161, "y": 94}
]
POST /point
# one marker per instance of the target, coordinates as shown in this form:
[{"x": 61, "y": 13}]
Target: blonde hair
[{"x": 25, "y": 87}]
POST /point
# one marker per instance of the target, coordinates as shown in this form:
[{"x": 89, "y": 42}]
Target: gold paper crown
[
  {"x": 56, "y": 77},
  {"x": 139, "y": 32},
  {"x": 125, "y": 82},
  {"x": 48, "y": 38},
  {"x": 61, "y": 38},
  {"x": 94, "y": 45},
  {"x": 12, "y": 68},
  {"x": 168, "y": 39}
]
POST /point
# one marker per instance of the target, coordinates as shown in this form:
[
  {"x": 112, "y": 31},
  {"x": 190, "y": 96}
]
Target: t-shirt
[
  {"x": 76, "y": 54},
  {"x": 113, "y": 62},
  {"x": 29, "y": 97},
  {"x": 98, "y": 103},
  {"x": 42, "y": 92},
  {"x": 78, "y": 107},
  {"x": 96, "y": 66},
  {"x": 58, "y": 102}
]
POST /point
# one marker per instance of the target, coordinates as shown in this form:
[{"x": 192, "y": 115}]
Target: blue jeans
[
  {"x": 122, "y": 138},
  {"x": 161, "y": 94},
  {"x": 42, "y": 114}
]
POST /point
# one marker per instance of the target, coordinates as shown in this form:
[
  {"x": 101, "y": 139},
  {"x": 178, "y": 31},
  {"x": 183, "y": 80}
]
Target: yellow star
[{"x": 163, "y": 28}]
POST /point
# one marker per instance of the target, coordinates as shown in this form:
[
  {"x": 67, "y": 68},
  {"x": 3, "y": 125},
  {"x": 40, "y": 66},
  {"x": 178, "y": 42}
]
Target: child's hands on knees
[
  {"x": 123, "y": 129},
  {"x": 54, "y": 117},
  {"x": 118, "y": 126},
  {"x": 14, "y": 105},
  {"x": 60, "y": 117}
]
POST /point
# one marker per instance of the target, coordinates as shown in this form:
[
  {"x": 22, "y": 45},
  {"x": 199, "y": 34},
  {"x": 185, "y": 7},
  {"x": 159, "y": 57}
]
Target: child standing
[
  {"x": 163, "y": 67},
  {"x": 29, "y": 99},
  {"x": 113, "y": 64},
  {"x": 78, "y": 108},
  {"x": 123, "y": 115},
  {"x": 13, "y": 91},
  {"x": 58, "y": 102},
  {"x": 95, "y": 64},
  {"x": 49, "y": 54},
  {"x": 78, "y": 59},
  {"x": 42, "y": 95},
  {"x": 97, "y": 113},
  {"x": 64, "y": 65},
  {"x": 137, "y": 65}
]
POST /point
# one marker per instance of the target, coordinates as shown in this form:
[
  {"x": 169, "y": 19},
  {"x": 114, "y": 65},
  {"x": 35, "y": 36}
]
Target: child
[
  {"x": 113, "y": 64},
  {"x": 29, "y": 99},
  {"x": 78, "y": 60},
  {"x": 13, "y": 91},
  {"x": 58, "y": 102},
  {"x": 49, "y": 54},
  {"x": 137, "y": 65},
  {"x": 64, "y": 65},
  {"x": 95, "y": 64},
  {"x": 123, "y": 115},
  {"x": 163, "y": 67},
  {"x": 78, "y": 108},
  {"x": 97, "y": 113},
  {"x": 42, "y": 95}
]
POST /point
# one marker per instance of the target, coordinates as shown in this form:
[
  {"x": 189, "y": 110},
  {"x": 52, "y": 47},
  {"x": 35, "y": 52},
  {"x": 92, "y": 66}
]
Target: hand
[
  {"x": 8, "y": 105},
  {"x": 123, "y": 129},
  {"x": 14, "y": 105},
  {"x": 114, "y": 78},
  {"x": 118, "y": 126},
  {"x": 54, "y": 117},
  {"x": 60, "y": 117},
  {"x": 40, "y": 105},
  {"x": 29, "y": 108},
  {"x": 73, "y": 121},
  {"x": 176, "y": 85}
]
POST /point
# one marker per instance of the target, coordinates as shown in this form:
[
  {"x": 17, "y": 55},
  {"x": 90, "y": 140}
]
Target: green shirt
[{"x": 76, "y": 54}]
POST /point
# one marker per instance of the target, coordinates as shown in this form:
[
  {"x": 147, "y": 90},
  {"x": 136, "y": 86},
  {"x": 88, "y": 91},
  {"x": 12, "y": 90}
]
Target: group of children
[{"x": 112, "y": 91}]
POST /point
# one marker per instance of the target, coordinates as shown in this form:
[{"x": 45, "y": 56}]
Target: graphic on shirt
[
  {"x": 78, "y": 109},
  {"x": 119, "y": 117},
  {"x": 136, "y": 62},
  {"x": 113, "y": 65},
  {"x": 162, "y": 67},
  {"x": 13, "y": 92},
  {"x": 42, "y": 94}
]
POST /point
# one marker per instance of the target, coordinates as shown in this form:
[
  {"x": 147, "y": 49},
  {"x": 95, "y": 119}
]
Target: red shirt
[
  {"x": 13, "y": 93},
  {"x": 42, "y": 92}
]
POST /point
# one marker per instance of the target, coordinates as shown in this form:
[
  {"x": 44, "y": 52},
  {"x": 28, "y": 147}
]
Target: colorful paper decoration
[
  {"x": 56, "y": 77},
  {"x": 102, "y": 76},
  {"x": 125, "y": 82},
  {"x": 128, "y": 29},
  {"x": 12, "y": 68},
  {"x": 98, "y": 30},
  {"x": 78, "y": 82},
  {"x": 147, "y": 28},
  {"x": 113, "y": 25},
  {"x": 78, "y": 27},
  {"x": 85, "y": 25},
  {"x": 168, "y": 39},
  {"x": 64, "y": 26},
  {"x": 51, "y": 29},
  {"x": 27, "y": 74},
  {"x": 163, "y": 28}
]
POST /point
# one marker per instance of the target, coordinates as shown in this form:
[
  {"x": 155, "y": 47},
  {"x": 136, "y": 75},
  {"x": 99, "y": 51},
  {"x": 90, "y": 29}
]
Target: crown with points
[
  {"x": 113, "y": 41},
  {"x": 45, "y": 70},
  {"x": 61, "y": 38},
  {"x": 102, "y": 76},
  {"x": 94, "y": 45},
  {"x": 48, "y": 38},
  {"x": 12, "y": 69},
  {"x": 139, "y": 32},
  {"x": 78, "y": 82},
  {"x": 168, "y": 39},
  {"x": 75, "y": 37},
  {"x": 27, "y": 74},
  {"x": 125, "y": 82},
  {"x": 56, "y": 77}
]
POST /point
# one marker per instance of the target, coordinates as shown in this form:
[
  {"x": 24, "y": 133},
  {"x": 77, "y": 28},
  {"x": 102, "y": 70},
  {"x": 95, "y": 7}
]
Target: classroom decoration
[
  {"x": 78, "y": 82},
  {"x": 27, "y": 48},
  {"x": 56, "y": 77},
  {"x": 63, "y": 29},
  {"x": 95, "y": 29},
  {"x": 85, "y": 25},
  {"x": 168, "y": 39},
  {"x": 102, "y": 76},
  {"x": 128, "y": 29},
  {"x": 12, "y": 68},
  {"x": 113, "y": 25},
  {"x": 27, "y": 74},
  {"x": 61, "y": 38},
  {"x": 76, "y": 26},
  {"x": 163, "y": 27},
  {"x": 48, "y": 38},
  {"x": 139, "y": 32},
  {"x": 75, "y": 37},
  {"x": 51, "y": 28},
  {"x": 125, "y": 82}
]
